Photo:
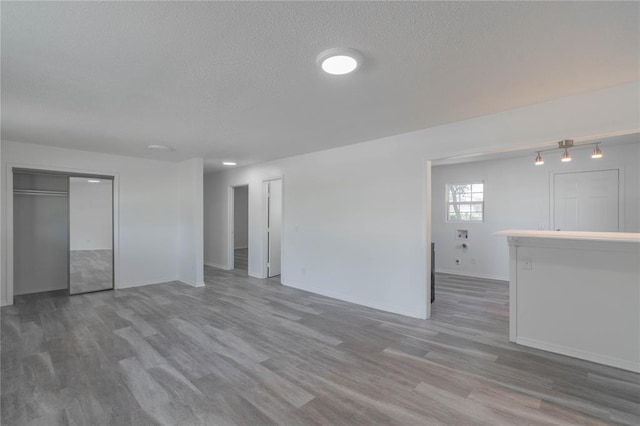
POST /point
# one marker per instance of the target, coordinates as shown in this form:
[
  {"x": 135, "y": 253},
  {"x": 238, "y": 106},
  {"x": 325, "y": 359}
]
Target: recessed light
[
  {"x": 160, "y": 147},
  {"x": 339, "y": 61},
  {"x": 228, "y": 163},
  {"x": 93, "y": 181}
]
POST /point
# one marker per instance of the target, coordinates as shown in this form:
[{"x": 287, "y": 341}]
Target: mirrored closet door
[{"x": 90, "y": 234}]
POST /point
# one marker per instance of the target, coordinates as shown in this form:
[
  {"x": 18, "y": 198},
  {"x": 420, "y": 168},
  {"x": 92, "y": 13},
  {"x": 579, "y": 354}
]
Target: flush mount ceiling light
[
  {"x": 339, "y": 61},
  {"x": 228, "y": 163},
  {"x": 160, "y": 147},
  {"x": 93, "y": 181},
  {"x": 566, "y": 156}
]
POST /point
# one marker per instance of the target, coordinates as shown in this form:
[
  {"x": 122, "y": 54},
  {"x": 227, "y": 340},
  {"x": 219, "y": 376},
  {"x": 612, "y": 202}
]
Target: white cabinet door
[{"x": 586, "y": 201}]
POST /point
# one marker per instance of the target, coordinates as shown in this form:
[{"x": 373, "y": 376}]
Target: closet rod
[{"x": 36, "y": 192}]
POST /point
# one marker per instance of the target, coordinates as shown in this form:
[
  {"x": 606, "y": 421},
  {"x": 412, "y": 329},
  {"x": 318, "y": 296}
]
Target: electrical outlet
[
  {"x": 527, "y": 263},
  {"x": 458, "y": 261}
]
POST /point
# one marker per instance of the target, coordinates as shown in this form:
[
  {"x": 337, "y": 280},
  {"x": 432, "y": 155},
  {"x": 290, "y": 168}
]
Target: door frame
[
  {"x": 231, "y": 226},
  {"x": 265, "y": 221},
  {"x": 8, "y": 211},
  {"x": 552, "y": 194},
  {"x": 426, "y": 233}
]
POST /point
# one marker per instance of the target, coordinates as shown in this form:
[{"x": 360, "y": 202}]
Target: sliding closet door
[
  {"x": 91, "y": 234},
  {"x": 40, "y": 232}
]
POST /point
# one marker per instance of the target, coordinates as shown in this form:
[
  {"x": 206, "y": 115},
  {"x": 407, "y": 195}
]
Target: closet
[{"x": 62, "y": 232}]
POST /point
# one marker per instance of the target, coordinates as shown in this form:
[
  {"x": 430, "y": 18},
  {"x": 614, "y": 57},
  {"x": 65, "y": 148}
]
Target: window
[{"x": 465, "y": 202}]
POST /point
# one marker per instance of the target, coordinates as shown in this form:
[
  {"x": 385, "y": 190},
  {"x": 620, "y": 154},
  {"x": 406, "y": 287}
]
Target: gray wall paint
[
  {"x": 517, "y": 197},
  {"x": 241, "y": 216}
]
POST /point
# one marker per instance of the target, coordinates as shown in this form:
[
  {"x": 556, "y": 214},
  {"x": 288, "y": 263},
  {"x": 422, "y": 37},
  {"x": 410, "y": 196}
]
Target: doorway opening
[
  {"x": 273, "y": 228},
  {"x": 239, "y": 238}
]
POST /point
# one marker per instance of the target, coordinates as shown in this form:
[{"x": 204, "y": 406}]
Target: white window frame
[{"x": 447, "y": 203}]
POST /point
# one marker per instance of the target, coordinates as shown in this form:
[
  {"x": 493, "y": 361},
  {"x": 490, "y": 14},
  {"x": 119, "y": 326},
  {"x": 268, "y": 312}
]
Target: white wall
[
  {"x": 241, "y": 217},
  {"x": 148, "y": 198},
  {"x": 90, "y": 214},
  {"x": 517, "y": 196},
  {"x": 190, "y": 255},
  {"x": 355, "y": 217}
]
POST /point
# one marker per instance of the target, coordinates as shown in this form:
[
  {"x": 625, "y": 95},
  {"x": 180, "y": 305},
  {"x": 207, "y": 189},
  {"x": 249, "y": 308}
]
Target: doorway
[
  {"x": 240, "y": 229},
  {"x": 273, "y": 195}
]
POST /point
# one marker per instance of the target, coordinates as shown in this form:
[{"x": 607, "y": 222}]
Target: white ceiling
[{"x": 238, "y": 80}]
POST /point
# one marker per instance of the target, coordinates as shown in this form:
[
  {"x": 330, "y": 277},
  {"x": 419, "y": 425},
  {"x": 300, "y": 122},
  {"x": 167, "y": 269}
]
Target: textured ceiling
[{"x": 238, "y": 81}]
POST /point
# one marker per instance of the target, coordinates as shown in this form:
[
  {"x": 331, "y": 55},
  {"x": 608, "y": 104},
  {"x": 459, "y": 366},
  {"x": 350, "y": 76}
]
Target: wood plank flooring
[
  {"x": 247, "y": 351},
  {"x": 241, "y": 259}
]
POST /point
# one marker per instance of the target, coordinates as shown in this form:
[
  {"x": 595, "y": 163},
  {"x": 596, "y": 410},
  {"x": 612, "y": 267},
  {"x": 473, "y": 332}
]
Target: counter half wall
[{"x": 576, "y": 294}]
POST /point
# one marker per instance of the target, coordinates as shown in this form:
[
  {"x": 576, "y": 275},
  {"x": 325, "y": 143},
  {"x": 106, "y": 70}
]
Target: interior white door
[
  {"x": 274, "y": 226},
  {"x": 586, "y": 201}
]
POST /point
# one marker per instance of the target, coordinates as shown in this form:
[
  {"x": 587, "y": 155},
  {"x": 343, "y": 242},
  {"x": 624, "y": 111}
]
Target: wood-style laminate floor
[
  {"x": 247, "y": 351},
  {"x": 241, "y": 259}
]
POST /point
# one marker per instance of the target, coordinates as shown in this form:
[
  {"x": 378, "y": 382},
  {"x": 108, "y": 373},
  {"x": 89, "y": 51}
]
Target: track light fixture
[
  {"x": 566, "y": 156},
  {"x": 539, "y": 161},
  {"x": 597, "y": 153}
]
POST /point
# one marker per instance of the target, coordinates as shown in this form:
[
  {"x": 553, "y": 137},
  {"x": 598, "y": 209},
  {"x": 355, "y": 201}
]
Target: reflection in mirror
[{"x": 91, "y": 234}]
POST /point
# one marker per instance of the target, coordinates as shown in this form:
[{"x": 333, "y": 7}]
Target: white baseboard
[
  {"x": 577, "y": 353},
  {"x": 253, "y": 274},
  {"x": 341, "y": 297},
  {"x": 121, "y": 286},
  {"x": 217, "y": 265},
  {"x": 198, "y": 284},
  {"x": 472, "y": 275}
]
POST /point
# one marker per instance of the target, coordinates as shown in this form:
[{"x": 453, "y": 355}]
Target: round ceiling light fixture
[
  {"x": 160, "y": 147},
  {"x": 228, "y": 163},
  {"x": 339, "y": 61}
]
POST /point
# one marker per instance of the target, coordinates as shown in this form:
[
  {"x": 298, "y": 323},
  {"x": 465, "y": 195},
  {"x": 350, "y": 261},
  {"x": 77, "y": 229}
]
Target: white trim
[
  {"x": 567, "y": 242},
  {"x": 9, "y": 221},
  {"x": 472, "y": 275},
  {"x": 344, "y": 298},
  {"x": 265, "y": 218},
  {"x": 142, "y": 284},
  {"x": 217, "y": 265},
  {"x": 425, "y": 233},
  {"x": 576, "y": 353},
  {"x": 230, "y": 228}
]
